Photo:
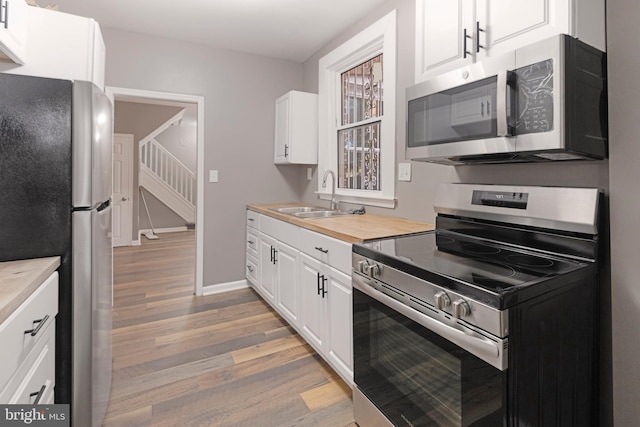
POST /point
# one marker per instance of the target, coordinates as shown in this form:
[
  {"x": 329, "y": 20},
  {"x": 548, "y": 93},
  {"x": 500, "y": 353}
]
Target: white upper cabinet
[
  {"x": 296, "y": 129},
  {"x": 62, "y": 46},
  {"x": 454, "y": 33},
  {"x": 13, "y": 30}
]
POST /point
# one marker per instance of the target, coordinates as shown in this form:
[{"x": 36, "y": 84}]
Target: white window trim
[{"x": 380, "y": 37}]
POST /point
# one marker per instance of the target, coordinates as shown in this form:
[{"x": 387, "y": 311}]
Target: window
[
  {"x": 359, "y": 135},
  {"x": 357, "y": 118}
]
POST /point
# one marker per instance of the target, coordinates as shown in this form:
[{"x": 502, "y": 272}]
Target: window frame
[{"x": 380, "y": 37}]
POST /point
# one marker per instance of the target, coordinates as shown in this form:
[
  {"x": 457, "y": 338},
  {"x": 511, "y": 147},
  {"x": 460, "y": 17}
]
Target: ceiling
[{"x": 286, "y": 29}]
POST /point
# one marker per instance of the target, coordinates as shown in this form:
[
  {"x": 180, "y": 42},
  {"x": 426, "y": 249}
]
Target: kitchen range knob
[
  {"x": 375, "y": 270},
  {"x": 442, "y": 300},
  {"x": 363, "y": 266},
  {"x": 461, "y": 309}
]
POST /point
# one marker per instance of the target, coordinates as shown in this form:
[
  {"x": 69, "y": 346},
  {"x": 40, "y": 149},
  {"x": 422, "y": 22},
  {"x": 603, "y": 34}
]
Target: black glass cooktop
[{"x": 492, "y": 267}]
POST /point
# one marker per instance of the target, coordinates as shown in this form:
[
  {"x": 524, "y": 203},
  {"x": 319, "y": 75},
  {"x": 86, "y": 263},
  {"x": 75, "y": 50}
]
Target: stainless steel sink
[
  {"x": 320, "y": 214},
  {"x": 298, "y": 209}
]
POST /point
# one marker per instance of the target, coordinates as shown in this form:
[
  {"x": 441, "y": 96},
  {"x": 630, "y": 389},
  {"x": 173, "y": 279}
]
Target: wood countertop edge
[
  {"x": 20, "y": 279},
  {"x": 336, "y": 227}
]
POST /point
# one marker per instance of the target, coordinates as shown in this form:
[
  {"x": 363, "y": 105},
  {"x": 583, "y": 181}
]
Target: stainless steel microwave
[{"x": 546, "y": 101}]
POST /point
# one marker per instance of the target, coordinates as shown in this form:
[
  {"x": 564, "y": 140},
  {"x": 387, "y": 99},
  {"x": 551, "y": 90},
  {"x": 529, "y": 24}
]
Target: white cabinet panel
[
  {"x": 340, "y": 320},
  {"x": 287, "y": 282},
  {"x": 62, "y": 46},
  {"x": 267, "y": 268},
  {"x": 13, "y": 30},
  {"x": 312, "y": 307},
  {"x": 494, "y": 27},
  {"x": 296, "y": 129}
]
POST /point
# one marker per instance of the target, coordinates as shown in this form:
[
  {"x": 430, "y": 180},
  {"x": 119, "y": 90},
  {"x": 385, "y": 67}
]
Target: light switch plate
[
  {"x": 404, "y": 171},
  {"x": 309, "y": 174},
  {"x": 213, "y": 176}
]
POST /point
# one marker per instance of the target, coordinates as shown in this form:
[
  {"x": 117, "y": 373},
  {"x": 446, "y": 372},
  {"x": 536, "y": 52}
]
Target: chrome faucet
[{"x": 334, "y": 202}]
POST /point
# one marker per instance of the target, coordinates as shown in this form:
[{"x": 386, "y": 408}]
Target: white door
[
  {"x": 340, "y": 320},
  {"x": 441, "y": 26},
  {"x": 122, "y": 189},
  {"x": 312, "y": 305},
  {"x": 515, "y": 23},
  {"x": 266, "y": 268},
  {"x": 287, "y": 271}
]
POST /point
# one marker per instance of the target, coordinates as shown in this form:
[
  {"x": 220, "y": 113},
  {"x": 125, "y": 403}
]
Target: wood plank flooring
[{"x": 220, "y": 360}]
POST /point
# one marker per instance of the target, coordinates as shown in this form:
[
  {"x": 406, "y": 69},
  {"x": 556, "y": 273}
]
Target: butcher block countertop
[
  {"x": 350, "y": 228},
  {"x": 19, "y": 279}
]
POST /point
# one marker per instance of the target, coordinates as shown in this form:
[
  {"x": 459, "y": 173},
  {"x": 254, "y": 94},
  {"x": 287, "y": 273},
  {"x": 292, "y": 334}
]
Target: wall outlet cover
[
  {"x": 404, "y": 171},
  {"x": 213, "y": 176}
]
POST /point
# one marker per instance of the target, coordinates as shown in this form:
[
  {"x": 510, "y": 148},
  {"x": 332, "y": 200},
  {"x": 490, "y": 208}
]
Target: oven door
[{"x": 416, "y": 377}]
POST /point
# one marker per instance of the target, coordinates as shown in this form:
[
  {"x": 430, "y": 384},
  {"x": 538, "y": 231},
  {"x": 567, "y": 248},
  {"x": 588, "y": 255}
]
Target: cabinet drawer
[
  {"x": 253, "y": 219},
  {"x": 37, "y": 374},
  {"x": 331, "y": 251},
  {"x": 252, "y": 242},
  {"x": 280, "y": 230},
  {"x": 252, "y": 270},
  {"x": 34, "y": 315}
]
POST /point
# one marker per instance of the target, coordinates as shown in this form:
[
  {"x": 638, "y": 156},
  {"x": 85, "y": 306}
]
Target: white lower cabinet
[
  {"x": 326, "y": 313},
  {"x": 305, "y": 277},
  {"x": 27, "y": 361}
]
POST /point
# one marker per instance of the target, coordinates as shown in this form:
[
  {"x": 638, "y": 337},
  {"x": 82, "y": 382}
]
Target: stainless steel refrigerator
[{"x": 55, "y": 199}]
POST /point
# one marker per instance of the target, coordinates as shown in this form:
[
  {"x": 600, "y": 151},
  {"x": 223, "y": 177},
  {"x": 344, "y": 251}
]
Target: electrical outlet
[
  {"x": 404, "y": 171},
  {"x": 213, "y": 176}
]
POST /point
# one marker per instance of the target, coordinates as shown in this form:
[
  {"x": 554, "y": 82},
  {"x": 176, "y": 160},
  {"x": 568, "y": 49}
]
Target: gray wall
[
  {"x": 415, "y": 197},
  {"x": 239, "y": 91},
  {"x": 140, "y": 120},
  {"x": 624, "y": 130}
]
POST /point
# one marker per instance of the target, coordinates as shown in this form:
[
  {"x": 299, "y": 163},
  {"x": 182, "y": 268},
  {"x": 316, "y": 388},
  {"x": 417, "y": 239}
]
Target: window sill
[{"x": 381, "y": 202}]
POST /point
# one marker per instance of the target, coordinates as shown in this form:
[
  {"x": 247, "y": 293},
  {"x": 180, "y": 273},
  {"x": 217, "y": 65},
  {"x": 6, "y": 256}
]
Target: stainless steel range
[{"x": 489, "y": 320}]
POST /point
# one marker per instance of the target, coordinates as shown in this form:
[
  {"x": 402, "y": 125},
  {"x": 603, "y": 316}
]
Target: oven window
[
  {"x": 460, "y": 114},
  {"x": 416, "y": 377}
]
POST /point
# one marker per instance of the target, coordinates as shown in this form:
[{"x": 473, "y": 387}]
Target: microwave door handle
[{"x": 506, "y": 103}]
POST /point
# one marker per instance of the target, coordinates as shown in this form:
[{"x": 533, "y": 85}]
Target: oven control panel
[{"x": 431, "y": 298}]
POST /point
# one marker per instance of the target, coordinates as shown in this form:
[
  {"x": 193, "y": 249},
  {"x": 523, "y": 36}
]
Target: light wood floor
[{"x": 219, "y": 360}]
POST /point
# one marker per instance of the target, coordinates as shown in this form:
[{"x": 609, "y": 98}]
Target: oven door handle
[{"x": 484, "y": 348}]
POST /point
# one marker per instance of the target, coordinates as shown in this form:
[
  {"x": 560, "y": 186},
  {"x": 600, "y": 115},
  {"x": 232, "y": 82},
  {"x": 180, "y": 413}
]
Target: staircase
[{"x": 164, "y": 176}]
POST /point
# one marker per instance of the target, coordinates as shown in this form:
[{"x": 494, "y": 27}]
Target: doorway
[{"x": 172, "y": 99}]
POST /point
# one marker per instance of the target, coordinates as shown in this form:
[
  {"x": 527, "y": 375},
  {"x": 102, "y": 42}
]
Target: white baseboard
[
  {"x": 136, "y": 242},
  {"x": 224, "y": 287}
]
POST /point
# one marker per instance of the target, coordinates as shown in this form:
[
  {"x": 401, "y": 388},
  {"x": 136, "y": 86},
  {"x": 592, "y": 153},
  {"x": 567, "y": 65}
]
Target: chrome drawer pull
[
  {"x": 321, "y": 249},
  {"x": 40, "y": 323},
  {"x": 38, "y": 394}
]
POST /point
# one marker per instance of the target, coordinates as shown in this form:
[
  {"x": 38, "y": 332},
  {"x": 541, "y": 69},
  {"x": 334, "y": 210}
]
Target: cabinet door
[
  {"x": 266, "y": 269},
  {"x": 287, "y": 282},
  {"x": 283, "y": 131},
  {"x": 441, "y": 26},
  {"x": 340, "y": 320},
  {"x": 312, "y": 305},
  {"x": 13, "y": 30},
  {"x": 511, "y": 24}
]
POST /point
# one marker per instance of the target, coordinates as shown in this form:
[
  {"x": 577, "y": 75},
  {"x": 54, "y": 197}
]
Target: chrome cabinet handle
[
  {"x": 40, "y": 323},
  {"x": 286, "y": 150},
  {"x": 321, "y": 249},
  {"x": 38, "y": 394},
  {"x": 465, "y": 36},
  {"x": 478, "y": 31},
  {"x": 5, "y": 21}
]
